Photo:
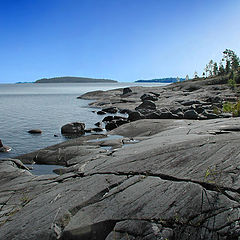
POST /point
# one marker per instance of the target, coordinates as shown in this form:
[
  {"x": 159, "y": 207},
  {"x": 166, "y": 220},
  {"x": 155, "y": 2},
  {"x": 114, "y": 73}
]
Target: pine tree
[{"x": 215, "y": 69}]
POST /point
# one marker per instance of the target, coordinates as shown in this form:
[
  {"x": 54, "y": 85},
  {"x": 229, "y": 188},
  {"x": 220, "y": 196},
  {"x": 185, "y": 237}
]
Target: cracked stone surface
[{"x": 178, "y": 179}]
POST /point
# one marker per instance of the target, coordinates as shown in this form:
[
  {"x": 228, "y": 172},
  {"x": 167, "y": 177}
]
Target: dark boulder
[
  {"x": 191, "y": 102},
  {"x": 124, "y": 111},
  {"x": 192, "y": 87},
  {"x": 98, "y": 129},
  {"x": 119, "y": 117},
  {"x": 108, "y": 119},
  {"x": 153, "y": 115},
  {"x": 98, "y": 124},
  {"x": 214, "y": 99},
  {"x": 168, "y": 115},
  {"x": 156, "y": 94},
  {"x": 199, "y": 109},
  {"x": 126, "y": 90},
  {"x": 150, "y": 97},
  {"x": 147, "y": 105},
  {"x": 88, "y": 130},
  {"x": 134, "y": 116},
  {"x": 111, "y": 125},
  {"x": 4, "y": 148},
  {"x": 75, "y": 128},
  {"x": 101, "y": 112},
  {"x": 110, "y": 110},
  {"x": 191, "y": 114},
  {"x": 209, "y": 115},
  {"x": 35, "y": 131},
  {"x": 121, "y": 122},
  {"x": 225, "y": 115}
]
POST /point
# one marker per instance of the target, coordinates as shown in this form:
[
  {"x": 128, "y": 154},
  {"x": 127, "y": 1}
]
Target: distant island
[
  {"x": 74, "y": 80},
  {"x": 163, "y": 80}
]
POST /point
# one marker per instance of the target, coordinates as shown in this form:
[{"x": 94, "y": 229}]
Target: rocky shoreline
[{"x": 170, "y": 172}]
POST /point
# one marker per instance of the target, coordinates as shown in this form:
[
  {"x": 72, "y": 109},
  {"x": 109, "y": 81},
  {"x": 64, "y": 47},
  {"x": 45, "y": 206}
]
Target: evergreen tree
[
  {"x": 232, "y": 60},
  {"x": 221, "y": 69},
  {"x": 210, "y": 67},
  {"x": 215, "y": 69}
]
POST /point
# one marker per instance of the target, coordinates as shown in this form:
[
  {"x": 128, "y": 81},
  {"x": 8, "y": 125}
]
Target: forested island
[
  {"x": 74, "y": 80},
  {"x": 162, "y": 80}
]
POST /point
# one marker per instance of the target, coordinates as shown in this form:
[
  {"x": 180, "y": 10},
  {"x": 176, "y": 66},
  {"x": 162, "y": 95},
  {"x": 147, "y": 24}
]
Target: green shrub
[
  {"x": 232, "y": 83},
  {"x": 233, "y": 108}
]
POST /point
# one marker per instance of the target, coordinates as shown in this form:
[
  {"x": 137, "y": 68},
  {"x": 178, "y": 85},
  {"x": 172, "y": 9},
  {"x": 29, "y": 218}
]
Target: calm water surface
[{"x": 46, "y": 107}]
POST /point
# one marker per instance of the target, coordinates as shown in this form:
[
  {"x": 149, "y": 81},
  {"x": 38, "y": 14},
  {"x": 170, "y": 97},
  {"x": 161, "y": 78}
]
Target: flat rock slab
[{"x": 182, "y": 182}]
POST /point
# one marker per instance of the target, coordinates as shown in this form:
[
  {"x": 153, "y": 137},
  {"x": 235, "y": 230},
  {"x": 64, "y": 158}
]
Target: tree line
[{"x": 229, "y": 64}]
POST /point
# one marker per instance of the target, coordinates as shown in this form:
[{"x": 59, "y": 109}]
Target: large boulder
[{"x": 75, "y": 128}]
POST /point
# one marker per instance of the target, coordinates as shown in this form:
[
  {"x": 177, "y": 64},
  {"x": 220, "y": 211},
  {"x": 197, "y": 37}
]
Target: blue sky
[{"x": 124, "y": 40}]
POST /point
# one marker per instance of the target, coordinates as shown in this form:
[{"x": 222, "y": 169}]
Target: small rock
[
  {"x": 126, "y": 90},
  {"x": 150, "y": 97},
  {"x": 121, "y": 122},
  {"x": 98, "y": 124},
  {"x": 98, "y": 129},
  {"x": 119, "y": 117},
  {"x": 168, "y": 115},
  {"x": 134, "y": 116},
  {"x": 156, "y": 94},
  {"x": 108, "y": 119},
  {"x": 35, "y": 131},
  {"x": 191, "y": 102},
  {"x": 191, "y": 114},
  {"x": 124, "y": 111},
  {"x": 226, "y": 115},
  {"x": 110, "y": 110},
  {"x": 147, "y": 104},
  {"x": 89, "y": 130},
  {"x": 101, "y": 112},
  {"x": 209, "y": 115},
  {"x": 153, "y": 115},
  {"x": 111, "y": 125},
  {"x": 4, "y": 148}
]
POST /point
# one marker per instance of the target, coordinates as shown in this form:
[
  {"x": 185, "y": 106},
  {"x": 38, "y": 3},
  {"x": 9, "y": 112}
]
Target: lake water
[{"x": 46, "y": 107}]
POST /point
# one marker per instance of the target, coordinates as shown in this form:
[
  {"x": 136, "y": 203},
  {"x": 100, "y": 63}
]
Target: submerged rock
[{"x": 35, "y": 131}]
